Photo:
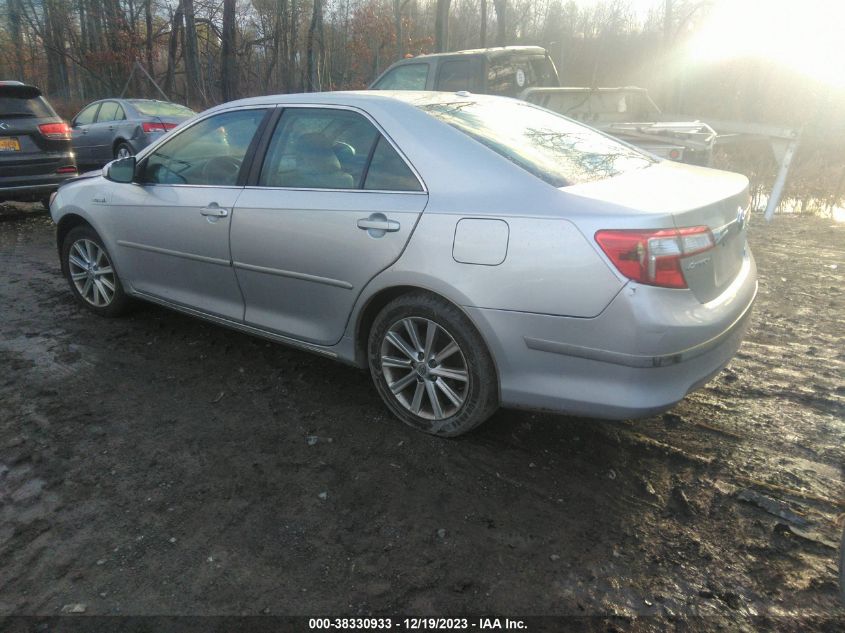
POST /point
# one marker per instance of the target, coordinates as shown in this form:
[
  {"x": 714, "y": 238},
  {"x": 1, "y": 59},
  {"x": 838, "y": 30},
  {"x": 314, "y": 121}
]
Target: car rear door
[
  {"x": 101, "y": 133},
  {"x": 333, "y": 204},
  {"x": 172, "y": 226}
]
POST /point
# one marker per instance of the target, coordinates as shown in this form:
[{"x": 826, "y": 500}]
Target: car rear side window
[
  {"x": 331, "y": 148},
  {"x": 389, "y": 172},
  {"x": 209, "y": 152},
  {"x": 553, "y": 148},
  {"x": 407, "y": 77},
  {"x": 319, "y": 148},
  {"x": 456, "y": 75},
  {"x": 108, "y": 112}
]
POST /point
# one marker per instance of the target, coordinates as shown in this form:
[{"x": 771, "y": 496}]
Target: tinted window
[
  {"x": 87, "y": 115},
  {"x": 389, "y": 172},
  {"x": 456, "y": 75},
  {"x": 108, "y": 112},
  {"x": 550, "y": 146},
  {"x": 161, "y": 108},
  {"x": 317, "y": 148},
  {"x": 208, "y": 153},
  {"x": 407, "y": 77},
  {"x": 11, "y": 106}
]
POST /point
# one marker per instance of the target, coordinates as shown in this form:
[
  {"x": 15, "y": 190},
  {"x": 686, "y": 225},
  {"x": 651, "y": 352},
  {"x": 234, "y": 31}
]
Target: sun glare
[{"x": 805, "y": 37}]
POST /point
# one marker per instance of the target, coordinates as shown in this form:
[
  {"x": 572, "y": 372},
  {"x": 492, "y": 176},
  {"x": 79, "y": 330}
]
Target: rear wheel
[
  {"x": 89, "y": 271},
  {"x": 431, "y": 366},
  {"x": 123, "y": 150}
]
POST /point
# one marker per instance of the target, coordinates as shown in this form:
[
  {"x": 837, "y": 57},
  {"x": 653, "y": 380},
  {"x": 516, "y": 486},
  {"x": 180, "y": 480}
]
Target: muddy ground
[{"x": 159, "y": 465}]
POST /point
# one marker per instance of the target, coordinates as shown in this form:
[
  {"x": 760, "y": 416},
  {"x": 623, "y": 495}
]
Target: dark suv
[
  {"x": 35, "y": 146},
  {"x": 505, "y": 71}
]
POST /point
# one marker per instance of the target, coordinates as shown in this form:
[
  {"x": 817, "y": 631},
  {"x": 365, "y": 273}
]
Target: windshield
[
  {"x": 550, "y": 146},
  {"x": 161, "y": 108}
]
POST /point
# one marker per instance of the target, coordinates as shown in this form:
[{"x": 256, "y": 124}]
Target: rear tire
[
  {"x": 431, "y": 366},
  {"x": 90, "y": 272},
  {"x": 123, "y": 150}
]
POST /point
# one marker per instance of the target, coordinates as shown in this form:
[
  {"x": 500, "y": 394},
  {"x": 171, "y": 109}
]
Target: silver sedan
[{"x": 472, "y": 252}]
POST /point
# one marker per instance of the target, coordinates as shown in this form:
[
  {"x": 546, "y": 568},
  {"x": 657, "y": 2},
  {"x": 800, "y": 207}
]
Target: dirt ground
[{"x": 159, "y": 465}]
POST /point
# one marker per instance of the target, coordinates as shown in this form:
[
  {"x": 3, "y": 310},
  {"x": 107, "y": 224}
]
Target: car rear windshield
[
  {"x": 161, "y": 108},
  {"x": 553, "y": 148},
  {"x": 24, "y": 101}
]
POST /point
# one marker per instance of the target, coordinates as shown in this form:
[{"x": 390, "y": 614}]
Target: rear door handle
[
  {"x": 213, "y": 211},
  {"x": 378, "y": 223}
]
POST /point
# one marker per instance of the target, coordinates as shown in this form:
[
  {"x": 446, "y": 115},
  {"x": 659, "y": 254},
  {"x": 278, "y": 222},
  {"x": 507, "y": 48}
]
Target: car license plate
[{"x": 9, "y": 144}]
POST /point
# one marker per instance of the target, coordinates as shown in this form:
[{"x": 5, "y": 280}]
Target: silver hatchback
[{"x": 472, "y": 252}]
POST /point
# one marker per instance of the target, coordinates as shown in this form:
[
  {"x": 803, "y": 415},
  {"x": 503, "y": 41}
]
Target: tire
[
  {"x": 125, "y": 148},
  {"x": 104, "y": 294},
  {"x": 463, "y": 381}
]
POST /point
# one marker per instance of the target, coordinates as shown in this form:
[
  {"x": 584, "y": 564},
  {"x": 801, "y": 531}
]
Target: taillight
[
  {"x": 55, "y": 131},
  {"x": 151, "y": 126},
  {"x": 70, "y": 169},
  {"x": 654, "y": 257}
]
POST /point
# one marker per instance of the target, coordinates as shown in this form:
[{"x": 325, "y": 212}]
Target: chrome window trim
[{"x": 375, "y": 124}]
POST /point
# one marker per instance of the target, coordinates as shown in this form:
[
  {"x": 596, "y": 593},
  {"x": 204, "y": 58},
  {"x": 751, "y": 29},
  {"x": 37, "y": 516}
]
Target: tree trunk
[
  {"x": 441, "y": 26},
  {"x": 483, "y": 23},
  {"x": 228, "y": 54},
  {"x": 15, "y": 16},
  {"x": 193, "y": 77},
  {"x": 315, "y": 47},
  {"x": 294, "y": 29},
  {"x": 501, "y": 21},
  {"x": 397, "y": 19},
  {"x": 173, "y": 47},
  {"x": 148, "y": 42}
]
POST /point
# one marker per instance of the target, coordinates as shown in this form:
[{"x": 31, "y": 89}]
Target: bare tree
[
  {"x": 315, "y": 46},
  {"x": 501, "y": 21},
  {"x": 483, "y": 23},
  {"x": 193, "y": 76},
  {"x": 441, "y": 26},
  {"x": 228, "y": 53}
]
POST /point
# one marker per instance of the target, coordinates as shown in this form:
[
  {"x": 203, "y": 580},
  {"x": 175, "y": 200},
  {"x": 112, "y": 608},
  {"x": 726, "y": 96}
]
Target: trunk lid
[
  {"x": 691, "y": 196},
  {"x": 24, "y": 150}
]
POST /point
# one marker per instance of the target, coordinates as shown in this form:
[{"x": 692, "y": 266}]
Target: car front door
[
  {"x": 81, "y": 128},
  {"x": 334, "y": 204},
  {"x": 172, "y": 226}
]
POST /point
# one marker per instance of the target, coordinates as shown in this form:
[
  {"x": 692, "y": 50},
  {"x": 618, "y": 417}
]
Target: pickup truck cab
[{"x": 504, "y": 71}]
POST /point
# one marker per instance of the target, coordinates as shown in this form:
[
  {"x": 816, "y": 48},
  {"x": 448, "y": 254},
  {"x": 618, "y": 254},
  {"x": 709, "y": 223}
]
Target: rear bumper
[
  {"x": 644, "y": 353},
  {"x": 33, "y": 187},
  {"x": 35, "y": 178}
]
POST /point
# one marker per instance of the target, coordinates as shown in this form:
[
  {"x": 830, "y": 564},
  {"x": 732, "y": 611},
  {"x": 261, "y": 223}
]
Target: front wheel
[
  {"x": 90, "y": 272},
  {"x": 431, "y": 366}
]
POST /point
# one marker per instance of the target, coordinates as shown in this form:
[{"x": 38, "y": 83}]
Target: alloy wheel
[
  {"x": 424, "y": 368},
  {"x": 91, "y": 273}
]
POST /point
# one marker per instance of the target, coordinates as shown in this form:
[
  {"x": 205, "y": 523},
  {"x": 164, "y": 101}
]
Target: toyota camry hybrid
[{"x": 471, "y": 251}]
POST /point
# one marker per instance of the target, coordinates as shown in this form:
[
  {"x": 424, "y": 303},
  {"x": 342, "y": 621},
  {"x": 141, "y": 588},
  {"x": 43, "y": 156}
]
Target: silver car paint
[{"x": 566, "y": 330}]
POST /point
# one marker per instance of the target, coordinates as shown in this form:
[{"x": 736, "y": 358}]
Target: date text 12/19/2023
[{"x": 417, "y": 624}]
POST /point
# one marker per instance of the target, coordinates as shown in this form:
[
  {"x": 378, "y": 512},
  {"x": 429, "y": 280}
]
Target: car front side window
[
  {"x": 86, "y": 117},
  {"x": 210, "y": 152}
]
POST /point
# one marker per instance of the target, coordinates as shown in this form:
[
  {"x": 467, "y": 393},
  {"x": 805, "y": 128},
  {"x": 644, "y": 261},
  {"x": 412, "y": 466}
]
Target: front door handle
[
  {"x": 213, "y": 211},
  {"x": 377, "y": 225}
]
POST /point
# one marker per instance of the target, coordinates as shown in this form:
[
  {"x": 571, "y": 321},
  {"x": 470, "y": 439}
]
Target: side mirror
[{"x": 120, "y": 170}]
